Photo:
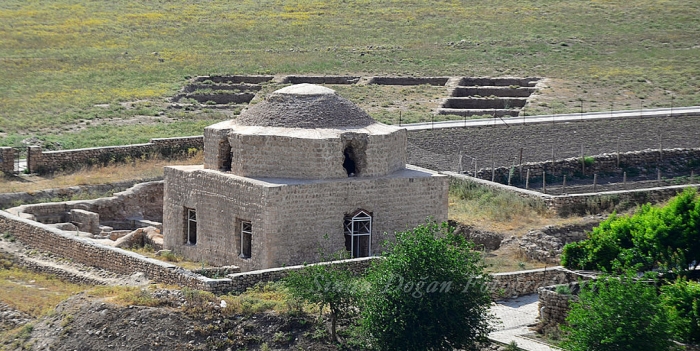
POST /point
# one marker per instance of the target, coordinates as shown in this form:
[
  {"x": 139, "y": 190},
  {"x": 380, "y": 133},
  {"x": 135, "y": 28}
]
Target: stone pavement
[{"x": 515, "y": 315}]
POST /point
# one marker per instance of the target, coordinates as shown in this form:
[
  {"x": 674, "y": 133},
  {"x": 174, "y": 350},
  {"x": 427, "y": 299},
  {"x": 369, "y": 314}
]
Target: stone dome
[{"x": 305, "y": 106}]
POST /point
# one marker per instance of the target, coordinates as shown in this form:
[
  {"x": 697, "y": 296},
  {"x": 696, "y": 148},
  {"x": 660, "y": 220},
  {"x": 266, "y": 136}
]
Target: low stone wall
[
  {"x": 60, "y": 273},
  {"x": 668, "y": 161},
  {"x": 141, "y": 201},
  {"x": 84, "y": 251},
  {"x": 554, "y": 306},
  {"x": 8, "y": 200},
  {"x": 513, "y": 284},
  {"x": 50, "y": 161},
  {"x": 242, "y": 281},
  {"x": 590, "y": 203}
]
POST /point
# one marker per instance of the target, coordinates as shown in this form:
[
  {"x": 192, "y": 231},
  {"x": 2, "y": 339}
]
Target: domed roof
[{"x": 305, "y": 106}]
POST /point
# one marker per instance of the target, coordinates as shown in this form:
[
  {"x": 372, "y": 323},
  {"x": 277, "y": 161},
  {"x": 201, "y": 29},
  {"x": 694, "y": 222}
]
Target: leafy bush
[
  {"x": 429, "y": 293},
  {"x": 615, "y": 314},
  {"x": 682, "y": 299},
  {"x": 665, "y": 238},
  {"x": 563, "y": 290}
]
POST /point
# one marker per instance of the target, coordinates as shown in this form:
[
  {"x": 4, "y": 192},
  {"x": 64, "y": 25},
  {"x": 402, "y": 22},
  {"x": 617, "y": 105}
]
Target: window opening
[
  {"x": 358, "y": 234},
  {"x": 349, "y": 161},
  {"x": 191, "y": 226},
  {"x": 246, "y": 239}
]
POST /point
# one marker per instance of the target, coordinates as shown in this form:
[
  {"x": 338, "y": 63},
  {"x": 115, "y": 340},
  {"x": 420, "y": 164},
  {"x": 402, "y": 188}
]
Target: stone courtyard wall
[
  {"x": 51, "y": 161},
  {"x": 588, "y": 203},
  {"x": 512, "y": 284}
]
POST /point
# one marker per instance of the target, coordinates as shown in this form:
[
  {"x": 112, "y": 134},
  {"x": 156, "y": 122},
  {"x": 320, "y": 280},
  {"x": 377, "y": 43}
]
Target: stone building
[{"x": 302, "y": 170}]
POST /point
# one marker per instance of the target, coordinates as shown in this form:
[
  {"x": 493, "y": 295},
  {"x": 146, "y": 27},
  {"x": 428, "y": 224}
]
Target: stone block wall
[
  {"x": 511, "y": 284},
  {"x": 8, "y": 200},
  {"x": 45, "y": 238},
  {"x": 51, "y": 161},
  {"x": 634, "y": 162},
  {"x": 142, "y": 201},
  {"x": 7, "y": 160},
  {"x": 590, "y": 203},
  {"x": 553, "y": 306},
  {"x": 439, "y": 148}
]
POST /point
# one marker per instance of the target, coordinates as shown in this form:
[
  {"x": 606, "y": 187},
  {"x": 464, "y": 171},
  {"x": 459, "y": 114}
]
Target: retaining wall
[
  {"x": 50, "y": 161},
  {"x": 668, "y": 161},
  {"x": 589, "y": 203},
  {"x": 500, "y": 144}
]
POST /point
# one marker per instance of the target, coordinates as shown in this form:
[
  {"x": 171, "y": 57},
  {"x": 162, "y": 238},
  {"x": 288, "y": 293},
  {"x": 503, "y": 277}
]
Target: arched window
[{"x": 358, "y": 234}]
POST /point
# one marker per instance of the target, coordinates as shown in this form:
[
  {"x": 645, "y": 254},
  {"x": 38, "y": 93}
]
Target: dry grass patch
[
  {"x": 496, "y": 210},
  {"x": 136, "y": 169},
  {"x": 33, "y": 293}
]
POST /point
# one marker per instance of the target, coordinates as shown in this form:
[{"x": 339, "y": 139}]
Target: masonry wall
[
  {"x": 42, "y": 237},
  {"x": 510, "y": 284},
  {"x": 222, "y": 201},
  {"x": 51, "y": 161},
  {"x": 581, "y": 204},
  {"x": 305, "y": 213},
  {"x": 554, "y": 307},
  {"x": 634, "y": 162},
  {"x": 291, "y": 218},
  {"x": 440, "y": 148},
  {"x": 7, "y": 160},
  {"x": 142, "y": 201}
]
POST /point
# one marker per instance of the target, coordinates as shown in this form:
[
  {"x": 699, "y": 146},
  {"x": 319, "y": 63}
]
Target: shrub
[
  {"x": 563, "y": 290},
  {"x": 617, "y": 313},
  {"x": 429, "y": 293}
]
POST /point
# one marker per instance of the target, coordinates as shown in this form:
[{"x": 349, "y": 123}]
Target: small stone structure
[
  {"x": 136, "y": 207},
  {"x": 300, "y": 165}
]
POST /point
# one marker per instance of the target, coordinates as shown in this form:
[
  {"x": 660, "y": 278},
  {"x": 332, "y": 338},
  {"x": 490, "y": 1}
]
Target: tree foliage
[
  {"x": 666, "y": 238},
  {"x": 682, "y": 299},
  {"x": 618, "y": 314},
  {"x": 326, "y": 286},
  {"x": 429, "y": 293}
]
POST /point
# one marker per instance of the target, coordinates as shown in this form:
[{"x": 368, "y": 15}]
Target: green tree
[
  {"x": 326, "y": 285},
  {"x": 682, "y": 299},
  {"x": 666, "y": 238},
  {"x": 429, "y": 293},
  {"x": 616, "y": 314}
]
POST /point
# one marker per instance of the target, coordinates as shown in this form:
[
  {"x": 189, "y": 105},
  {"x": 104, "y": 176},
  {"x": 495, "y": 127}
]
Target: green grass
[{"x": 59, "y": 58}]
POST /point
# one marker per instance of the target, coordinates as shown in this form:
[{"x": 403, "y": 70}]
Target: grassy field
[{"x": 61, "y": 58}]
